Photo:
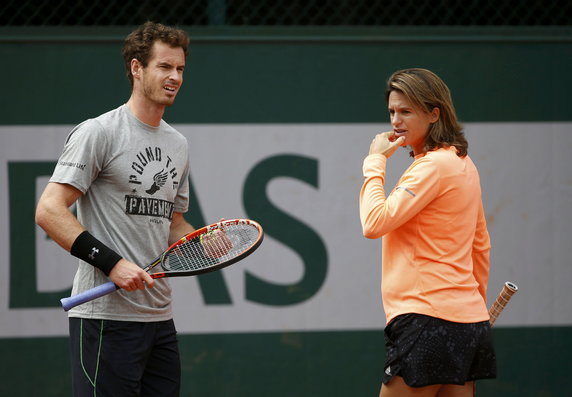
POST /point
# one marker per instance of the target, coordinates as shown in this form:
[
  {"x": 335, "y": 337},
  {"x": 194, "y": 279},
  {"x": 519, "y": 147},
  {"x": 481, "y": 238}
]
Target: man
[{"x": 128, "y": 172}]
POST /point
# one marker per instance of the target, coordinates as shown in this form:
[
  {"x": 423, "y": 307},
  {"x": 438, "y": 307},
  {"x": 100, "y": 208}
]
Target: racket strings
[{"x": 219, "y": 247}]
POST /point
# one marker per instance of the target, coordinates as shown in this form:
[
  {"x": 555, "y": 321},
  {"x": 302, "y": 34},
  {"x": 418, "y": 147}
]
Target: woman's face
[{"x": 410, "y": 121}]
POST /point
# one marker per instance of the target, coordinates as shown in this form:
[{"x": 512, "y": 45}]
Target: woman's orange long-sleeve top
[{"x": 435, "y": 250}]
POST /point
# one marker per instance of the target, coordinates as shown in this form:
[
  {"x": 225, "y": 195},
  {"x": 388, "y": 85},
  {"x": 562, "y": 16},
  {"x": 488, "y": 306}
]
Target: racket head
[{"x": 210, "y": 248}]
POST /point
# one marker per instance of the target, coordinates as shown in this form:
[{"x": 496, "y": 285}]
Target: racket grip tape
[
  {"x": 508, "y": 290},
  {"x": 89, "y": 295}
]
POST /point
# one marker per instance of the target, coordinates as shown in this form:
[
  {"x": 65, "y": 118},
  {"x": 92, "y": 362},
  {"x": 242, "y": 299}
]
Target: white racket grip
[{"x": 89, "y": 295}]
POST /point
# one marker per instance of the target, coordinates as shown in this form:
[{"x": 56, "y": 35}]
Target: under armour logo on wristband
[
  {"x": 91, "y": 250},
  {"x": 94, "y": 251}
]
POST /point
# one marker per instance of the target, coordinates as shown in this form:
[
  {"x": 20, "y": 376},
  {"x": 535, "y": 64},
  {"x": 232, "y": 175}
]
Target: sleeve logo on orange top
[{"x": 406, "y": 189}]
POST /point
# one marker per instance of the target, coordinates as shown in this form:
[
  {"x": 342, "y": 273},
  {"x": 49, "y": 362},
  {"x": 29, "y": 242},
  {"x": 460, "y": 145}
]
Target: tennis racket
[
  {"x": 204, "y": 250},
  {"x": 508, "y": 290}
]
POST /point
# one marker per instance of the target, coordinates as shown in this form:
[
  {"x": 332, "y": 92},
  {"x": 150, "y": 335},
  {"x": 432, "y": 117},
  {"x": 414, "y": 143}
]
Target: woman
[{"x": 435, "y": 263}]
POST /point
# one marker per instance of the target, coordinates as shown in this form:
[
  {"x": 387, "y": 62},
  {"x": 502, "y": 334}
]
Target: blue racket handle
[{"x": 88, "y": 295}]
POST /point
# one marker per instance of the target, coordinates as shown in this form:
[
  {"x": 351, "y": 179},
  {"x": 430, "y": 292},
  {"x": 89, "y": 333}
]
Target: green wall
[
  {"x": 532, "y": 362},
  {"x": 293, "y": 75}
]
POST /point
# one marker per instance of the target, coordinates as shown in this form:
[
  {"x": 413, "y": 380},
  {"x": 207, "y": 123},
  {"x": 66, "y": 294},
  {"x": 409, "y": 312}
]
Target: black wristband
[{"x": 91, "y": 250}]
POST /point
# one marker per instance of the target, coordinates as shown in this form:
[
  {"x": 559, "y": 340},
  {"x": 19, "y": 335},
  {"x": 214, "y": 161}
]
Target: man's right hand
[{"x": 130, "y": 277}]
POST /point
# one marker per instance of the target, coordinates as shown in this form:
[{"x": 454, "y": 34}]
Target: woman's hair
[
  {"x": 139, "y": 43},
  {"x": 426, "y": 91}
]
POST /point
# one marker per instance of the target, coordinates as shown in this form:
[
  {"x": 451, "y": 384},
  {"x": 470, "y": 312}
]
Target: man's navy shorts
[{"x": 124, "y": 358}]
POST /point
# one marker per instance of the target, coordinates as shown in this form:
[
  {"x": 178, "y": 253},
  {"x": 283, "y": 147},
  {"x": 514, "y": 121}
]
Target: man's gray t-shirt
[{"x": 133, "y": 177}]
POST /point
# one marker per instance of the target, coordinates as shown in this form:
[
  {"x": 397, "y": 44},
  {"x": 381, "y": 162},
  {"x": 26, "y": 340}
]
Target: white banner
[{"x": 527, "y": 186}]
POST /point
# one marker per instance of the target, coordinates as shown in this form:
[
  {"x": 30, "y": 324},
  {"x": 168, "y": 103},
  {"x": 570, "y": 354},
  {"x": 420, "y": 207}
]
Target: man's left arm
[{"x": 179, "y": 227}]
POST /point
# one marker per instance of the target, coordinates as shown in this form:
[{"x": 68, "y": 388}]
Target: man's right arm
[{"x": 54, "y": 216}]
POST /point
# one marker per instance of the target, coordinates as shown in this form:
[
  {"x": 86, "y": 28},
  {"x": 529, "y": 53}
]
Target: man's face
[{"x": 163, "y": 76}]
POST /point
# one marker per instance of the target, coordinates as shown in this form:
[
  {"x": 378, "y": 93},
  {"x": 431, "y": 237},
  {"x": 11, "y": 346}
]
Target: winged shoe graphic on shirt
[{"x": 159, "y": 180}]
